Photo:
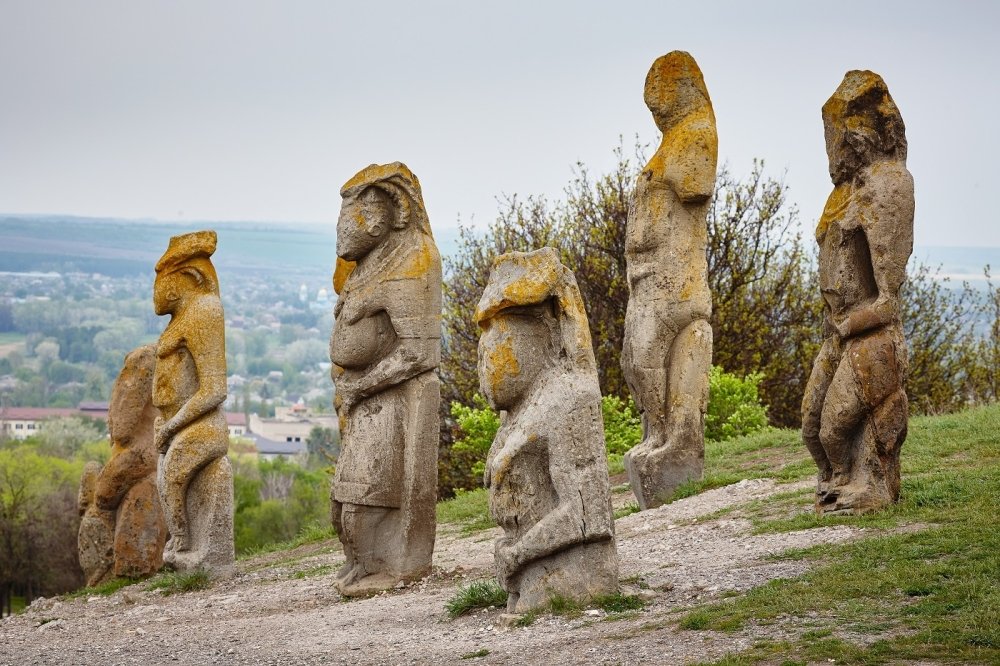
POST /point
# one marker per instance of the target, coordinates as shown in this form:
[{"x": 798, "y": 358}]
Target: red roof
[
  {"x": 36, "y": 413},
  {"x": 236, "y": 418}
]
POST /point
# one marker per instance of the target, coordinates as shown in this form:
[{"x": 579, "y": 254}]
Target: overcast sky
[{"x": 261, "y": 110}]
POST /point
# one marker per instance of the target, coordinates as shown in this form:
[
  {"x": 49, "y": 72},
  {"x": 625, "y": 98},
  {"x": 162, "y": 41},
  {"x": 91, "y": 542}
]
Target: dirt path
[{"x": 282, "y": 609}]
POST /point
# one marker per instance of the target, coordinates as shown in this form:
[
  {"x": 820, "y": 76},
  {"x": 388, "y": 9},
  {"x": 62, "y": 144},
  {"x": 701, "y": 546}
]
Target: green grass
[
  {"x": 929, "y": 593},
  {"x": 477, "y": 653},
  {"x": 476, "y": 595},
  {"x": 320, "y": 570},
  {"x": 104, "y": 589},
  {"x": 314, "y": 533},
  {"x": 10, "y": 337},
  {"x": 468, "y": 510},
  {"x": 626, "y": 510},
  {"x": 173, "y": 582}
]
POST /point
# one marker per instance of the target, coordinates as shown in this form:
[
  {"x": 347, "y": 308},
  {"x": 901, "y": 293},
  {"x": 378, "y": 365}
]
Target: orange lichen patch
[
  {"x": 501, "y": 362},
  {"x": 835, "y": 205},
  {"x": 674, "y": 85},
  {"x": 341, "y": 272},
  {"x": 417, "y": 264},
  {"x": 534, "y": 280}
]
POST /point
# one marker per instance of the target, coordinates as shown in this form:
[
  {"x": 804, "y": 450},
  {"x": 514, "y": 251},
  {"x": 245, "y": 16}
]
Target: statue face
[
  {"x": 513, "y": 350},
  {"x": 365, "y": 221},
  {"x": 167, "y": 289}
]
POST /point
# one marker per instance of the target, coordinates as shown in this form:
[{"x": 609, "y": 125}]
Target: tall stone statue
[
  {"x": 667, "y": 349},
  {"x": 385, "y": 349},
  {"x": 547, "y": 469},
  {"x": 194, "y": 477},
  {"x": 97, "y": 527},
  {"x": 854, "y": 413},
  {"x": 126, "y": 485}
]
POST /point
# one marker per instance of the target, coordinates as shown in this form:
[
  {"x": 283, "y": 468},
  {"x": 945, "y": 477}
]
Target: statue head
[
  {"x": 674, "y": 89},
  {"x": 185, "y": 268},
  {"x": 533, "y": 323},
  {"x": 131, "y": 394},
  {"x": 379, "y": 199},
  {"x": 862, "y": 125}
]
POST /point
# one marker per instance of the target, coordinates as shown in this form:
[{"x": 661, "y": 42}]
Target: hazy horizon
[{"x": 258, "y": 111}]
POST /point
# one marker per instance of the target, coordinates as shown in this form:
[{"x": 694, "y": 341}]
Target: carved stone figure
[
  {"x": 126, "y": 485},
  {"x": 854, "y": 413},
  {"x": 547, "y": 469},
  {"x": 667, "y": 349},
  {"x": 385, "y": 350},
  {"x": 97, "y": 527},
  {"x": 194, "y": 477}
]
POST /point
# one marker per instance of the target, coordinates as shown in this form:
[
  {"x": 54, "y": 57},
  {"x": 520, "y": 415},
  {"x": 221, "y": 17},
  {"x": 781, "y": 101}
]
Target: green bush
[
  {"x": 734, "y": 406},
  {"x": 479, "y": 425},
  {"x": 734, "y": 409},
  {"x": 622, "y": 426}
]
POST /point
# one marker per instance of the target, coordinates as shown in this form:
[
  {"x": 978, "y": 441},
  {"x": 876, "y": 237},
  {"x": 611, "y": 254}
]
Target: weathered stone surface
[
  {"x": 385, "y": 350},
  {"x": 127, "y": 483},
  {"x": 194, "y": 477},
  {"x": 854, "y": 413},
  {"x": 667, "y": 349},
  {"x": 547, "y": 469},
  {"x": 97, "y": 528}
]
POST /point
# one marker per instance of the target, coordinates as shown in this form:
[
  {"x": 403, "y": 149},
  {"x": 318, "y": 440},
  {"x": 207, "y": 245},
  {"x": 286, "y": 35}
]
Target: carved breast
[{"x": 360, "y": 344}]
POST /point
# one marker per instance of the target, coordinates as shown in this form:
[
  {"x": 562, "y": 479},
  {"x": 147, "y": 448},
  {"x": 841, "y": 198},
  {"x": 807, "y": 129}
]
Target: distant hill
[
  {"x": 128, "y": 247},
  {"x": 111, "y": 246}
]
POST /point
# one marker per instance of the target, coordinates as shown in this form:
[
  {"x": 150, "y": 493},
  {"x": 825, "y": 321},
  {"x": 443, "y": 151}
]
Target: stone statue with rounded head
[
  {"x": 547, "y": 470},
  {"x": 667, "y": 346},
  {"x": 854, "y": 412},
  {"x": 385, "y": 349},
  {"x": 126, "y": 485},
  {"x": 194, "y": 477}
]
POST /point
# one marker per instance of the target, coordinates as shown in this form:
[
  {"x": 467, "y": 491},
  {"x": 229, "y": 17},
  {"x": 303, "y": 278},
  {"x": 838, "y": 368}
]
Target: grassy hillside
[{"x": 926, "y": 587}]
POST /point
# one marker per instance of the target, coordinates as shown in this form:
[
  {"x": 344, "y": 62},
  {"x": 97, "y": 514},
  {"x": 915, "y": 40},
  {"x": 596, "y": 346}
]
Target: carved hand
[
  {"x": 506, "y": 561},
  {"x": 161, "y": 439}
]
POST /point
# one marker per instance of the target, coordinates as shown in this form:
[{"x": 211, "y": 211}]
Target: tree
[{"x": 323, "y": 445}]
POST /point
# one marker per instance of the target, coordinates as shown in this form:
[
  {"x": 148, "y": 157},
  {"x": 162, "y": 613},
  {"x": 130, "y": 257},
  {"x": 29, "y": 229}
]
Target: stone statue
[
  {"x": 126, "y": 485},
  {"x": 194, "y": 477},
  {"x": 854, "y": 413},
  {"x": 97, "y": 528},
  {"x": 547, "y": 469},
  {"x": 667, "y": 349},
  {"x": 385, "y": 349}
]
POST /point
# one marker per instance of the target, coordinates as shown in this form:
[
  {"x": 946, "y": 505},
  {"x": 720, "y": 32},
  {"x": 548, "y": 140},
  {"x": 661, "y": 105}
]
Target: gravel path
[{"x": 282, "y": 609}]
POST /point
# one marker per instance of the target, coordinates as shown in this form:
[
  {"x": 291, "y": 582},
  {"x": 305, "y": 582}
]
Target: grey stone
[
  {"x": 95, "y": 538},
  {"x": 194, "y": 477},
  {"x": 127, "y": 483},
  {"x": 385, "y": 349},
  {"x": 547, "y": 468},
  {"x": 854, "y": 412},
  {"x": 667, "y": 347}
]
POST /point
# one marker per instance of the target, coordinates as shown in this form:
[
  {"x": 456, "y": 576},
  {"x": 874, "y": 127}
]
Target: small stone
[
  {"x": 508, "y": 620},
  {"x": 593, "y": 612}
]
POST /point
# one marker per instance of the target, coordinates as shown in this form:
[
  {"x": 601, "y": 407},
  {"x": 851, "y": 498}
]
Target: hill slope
[{"x": 743, "y": 573}]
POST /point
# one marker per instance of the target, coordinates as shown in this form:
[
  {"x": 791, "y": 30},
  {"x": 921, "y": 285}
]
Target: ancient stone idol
[
  {"x": 667, "y": 349},
  {"x": 854, "y": 413},
  {"x": 97, "y": 527},
  {"x": 385, "y": 349},
  {"x": 126, "y": 485},
  {"x": 547, "y": 469},
  {"x": 194, "y": 477}
]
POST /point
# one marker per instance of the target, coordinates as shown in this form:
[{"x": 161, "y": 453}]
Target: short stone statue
[
  {"x": 854, "y": 413},
  {"x": 97, "y": 527},
  {"x": 547, "y": 469},
  {"x": 385, "y": 349},
  {"x": 667, "y": 348},
  {"x": 194, "y": 477},
  {"x": 126, "y": 485}
]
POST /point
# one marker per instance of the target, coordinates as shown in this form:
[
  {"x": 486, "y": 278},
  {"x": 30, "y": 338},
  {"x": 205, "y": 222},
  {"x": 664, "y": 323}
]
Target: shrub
[
  {"x": 478, "y": 425},
  {"x": 622, "y": 426},
  {"x": 734, "y": 406}
]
